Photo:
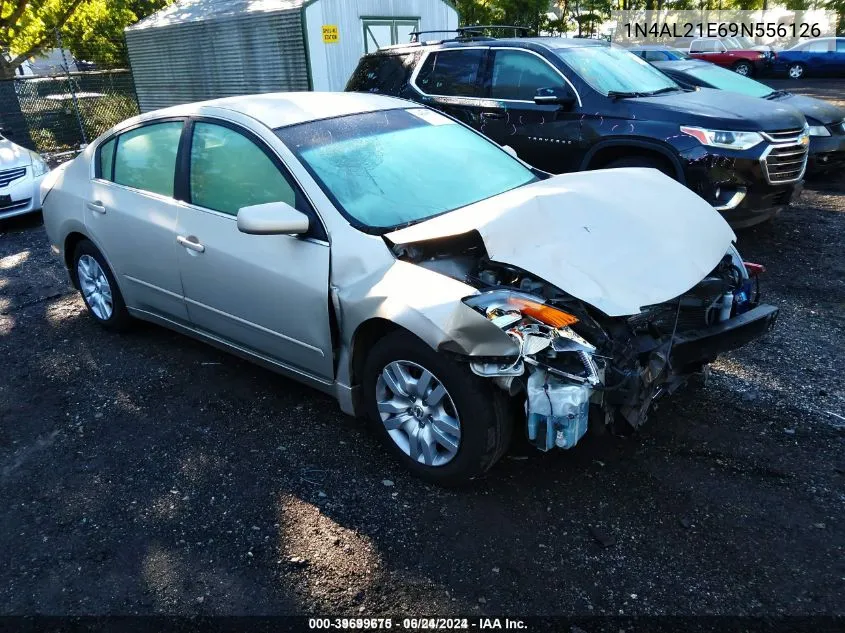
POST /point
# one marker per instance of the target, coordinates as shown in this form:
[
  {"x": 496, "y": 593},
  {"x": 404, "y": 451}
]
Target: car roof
[{"x": 280, "y": 109}]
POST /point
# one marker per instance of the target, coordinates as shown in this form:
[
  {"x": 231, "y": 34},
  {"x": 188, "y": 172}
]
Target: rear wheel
[
  {"x": 642, "y": 161},
  {"x": 797, "y": 71},
  {"x": 743, "y": 68},
  {"x": 98, "y": 288},
  {"x": 440, "y": 420}
]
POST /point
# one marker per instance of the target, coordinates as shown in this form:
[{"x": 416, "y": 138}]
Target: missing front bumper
[{"x": 696, "y": 347}]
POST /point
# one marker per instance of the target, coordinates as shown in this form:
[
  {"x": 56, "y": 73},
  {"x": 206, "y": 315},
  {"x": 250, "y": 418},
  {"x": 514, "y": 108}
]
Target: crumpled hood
[
  {"x": 618, "y": 239},
  {"x": 12, "y": 155}
]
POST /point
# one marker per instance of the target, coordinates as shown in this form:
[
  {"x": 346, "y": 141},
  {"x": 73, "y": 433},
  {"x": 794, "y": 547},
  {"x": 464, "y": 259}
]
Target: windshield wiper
[
  {"x": 662, "y": 91},
  {"x": 776, "y": 94},
  {"x": 615, "y": 94}
]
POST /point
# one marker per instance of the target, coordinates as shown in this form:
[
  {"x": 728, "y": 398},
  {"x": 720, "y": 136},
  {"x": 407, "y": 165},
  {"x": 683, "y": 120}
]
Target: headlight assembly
[
  {"x": 504, "y": 305},
  {"x": 39, "y": 167},
  {"x": 819, "y": 130},
  {"x": 723, "y": 138}
]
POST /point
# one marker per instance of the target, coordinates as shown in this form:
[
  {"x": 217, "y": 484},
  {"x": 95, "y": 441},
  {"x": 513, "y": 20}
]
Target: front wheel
[
  {"x": 743, "y": 68},
  {"x": 797, "y": 71},
  {"x": 440, "y": 420}
]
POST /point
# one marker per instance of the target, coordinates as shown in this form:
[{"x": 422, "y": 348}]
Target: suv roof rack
[{"x": 472, "y": 32}]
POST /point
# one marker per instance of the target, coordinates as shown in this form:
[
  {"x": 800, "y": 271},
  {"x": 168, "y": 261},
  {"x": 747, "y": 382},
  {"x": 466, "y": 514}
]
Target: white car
[
  {"x": 21, "y": 173},
  {"x": 399, "y": 260}
]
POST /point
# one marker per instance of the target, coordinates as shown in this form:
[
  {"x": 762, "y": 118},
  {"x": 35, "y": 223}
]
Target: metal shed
[{"x": 204, "y": 49}]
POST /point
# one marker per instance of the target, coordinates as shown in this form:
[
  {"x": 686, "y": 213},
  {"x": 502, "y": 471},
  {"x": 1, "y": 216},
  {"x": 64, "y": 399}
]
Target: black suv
[{"x": 573, "y": 104}]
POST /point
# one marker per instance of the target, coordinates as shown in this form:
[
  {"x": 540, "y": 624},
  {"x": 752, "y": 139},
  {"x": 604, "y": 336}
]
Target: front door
[
  {"x": 265, "y": 293},
  {"x": 545, "y": 136},
  {"x": 131, "y": 215}
]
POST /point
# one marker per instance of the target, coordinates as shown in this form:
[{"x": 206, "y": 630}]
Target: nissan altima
[{"x": 387, "y": 254}]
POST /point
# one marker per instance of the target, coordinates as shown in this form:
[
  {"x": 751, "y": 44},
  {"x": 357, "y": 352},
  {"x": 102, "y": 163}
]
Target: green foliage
[
  {"x": 584, "y": 16},
  {"x": 91, "y": 29}
]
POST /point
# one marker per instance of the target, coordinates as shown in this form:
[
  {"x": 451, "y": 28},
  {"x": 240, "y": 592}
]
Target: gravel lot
[{"x": 146, "y": 473}]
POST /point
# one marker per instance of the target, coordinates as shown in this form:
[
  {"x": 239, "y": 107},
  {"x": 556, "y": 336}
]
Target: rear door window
[
  {"x": 704, "y": 46},
  {"x": 451, "y": 72},
  {"x": 105, "y": 160},
  {"x": 816, "y": 46},
  {"x": 387, "y": 74},
  {"x": 146, "y": 157}
]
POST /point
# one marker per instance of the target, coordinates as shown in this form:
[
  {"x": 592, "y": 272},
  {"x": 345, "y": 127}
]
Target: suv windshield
[
  {"x": 724, "y": 79},
  {"x": 393, "y": 168},
  {"x": 609, "y": 70}
]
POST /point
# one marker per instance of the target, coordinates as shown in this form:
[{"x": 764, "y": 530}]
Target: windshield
[
  {"x": 393, "y": 168},
  {"x": 609, "y": 69},
  {"x": 724, "y": 79}
]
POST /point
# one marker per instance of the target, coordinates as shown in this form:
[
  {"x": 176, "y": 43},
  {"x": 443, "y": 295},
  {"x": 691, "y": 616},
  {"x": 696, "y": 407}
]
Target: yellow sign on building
[{"x": 330, "y": 34}]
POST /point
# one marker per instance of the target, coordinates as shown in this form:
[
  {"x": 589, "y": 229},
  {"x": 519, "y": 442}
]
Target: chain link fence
[{"x": 58, "y": 103}]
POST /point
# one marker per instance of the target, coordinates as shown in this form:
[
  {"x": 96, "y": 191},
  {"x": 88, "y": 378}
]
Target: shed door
[{"x": 381, "y": 32}]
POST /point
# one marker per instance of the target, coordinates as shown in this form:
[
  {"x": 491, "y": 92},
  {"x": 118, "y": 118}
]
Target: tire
[
  {"x": 483, "y": 413},
  {"x": 642, "y": 161},
  {"x": 95, "y": 281},
  {"x": 796, "y": 71},
  {"x": 743, "y": 68}
]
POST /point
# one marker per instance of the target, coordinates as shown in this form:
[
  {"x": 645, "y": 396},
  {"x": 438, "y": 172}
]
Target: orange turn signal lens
[{"x": 543, "y": 313}]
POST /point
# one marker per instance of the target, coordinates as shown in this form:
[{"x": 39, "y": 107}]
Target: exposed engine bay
[{"x": 576, "y": 364}]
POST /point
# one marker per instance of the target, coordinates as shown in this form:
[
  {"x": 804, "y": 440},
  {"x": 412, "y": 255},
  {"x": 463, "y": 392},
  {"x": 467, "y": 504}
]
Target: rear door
[
  {"x": 267, "y": 294},
  {"x": 545, "y": 136},
  {"x": 131, "y": 215},
  {"x": 449, "y": 79}
]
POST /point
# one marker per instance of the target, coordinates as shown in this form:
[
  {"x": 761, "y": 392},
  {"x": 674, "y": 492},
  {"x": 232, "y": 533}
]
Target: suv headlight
[
  {"x": 819, "y": 130},
  {"x": 39, "y": 167},
  {"x": 723, "y": 138}
]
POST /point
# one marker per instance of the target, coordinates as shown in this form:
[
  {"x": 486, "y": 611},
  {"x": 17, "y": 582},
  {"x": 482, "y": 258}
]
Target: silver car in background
[{"x": 386, "y": 254}]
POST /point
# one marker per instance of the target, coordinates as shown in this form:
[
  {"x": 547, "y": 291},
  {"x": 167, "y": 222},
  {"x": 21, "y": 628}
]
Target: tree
[
  {"x": 29, "y": 26},
  {"x": 96, "y": 33},
  {"x": 91, "y": 29}
]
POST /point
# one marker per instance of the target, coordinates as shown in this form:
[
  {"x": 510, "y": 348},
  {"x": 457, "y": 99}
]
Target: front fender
[{"x": 425, "y": 303}]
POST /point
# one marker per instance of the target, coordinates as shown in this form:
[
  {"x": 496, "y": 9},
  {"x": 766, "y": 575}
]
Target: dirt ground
[{"x": 146, "y": 473}]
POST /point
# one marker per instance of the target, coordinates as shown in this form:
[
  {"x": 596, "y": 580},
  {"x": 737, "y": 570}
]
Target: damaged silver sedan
[{"x": 393, "y": 257}]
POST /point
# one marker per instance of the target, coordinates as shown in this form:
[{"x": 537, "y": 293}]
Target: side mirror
[
  {"x": 555, "y": 96},
  {"x": 272, "y": 218}
]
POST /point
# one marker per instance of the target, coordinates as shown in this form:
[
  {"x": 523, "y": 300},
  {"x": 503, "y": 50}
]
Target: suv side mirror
[
  {"x": 555, "y": 96},
  {"x": 272, "y": 218}
]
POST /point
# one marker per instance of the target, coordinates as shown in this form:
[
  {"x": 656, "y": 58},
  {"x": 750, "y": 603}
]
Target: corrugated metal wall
[
  {"x": 332, "y": 64},
  {"x": 251, "y": 53}
]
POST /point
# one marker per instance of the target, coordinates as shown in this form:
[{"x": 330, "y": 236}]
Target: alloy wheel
[
  {"x": 796, "y": 72},
  {"x": 418, "y": 413},
  {"x": 743, "y": 70},
  {"x": 95, "y": 287}
]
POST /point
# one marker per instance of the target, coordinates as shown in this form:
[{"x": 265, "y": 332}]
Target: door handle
[
  {"x": 493, "y": 115},
  {"x": 192, "y": 244},
  {"x": 97, "y": 206}
]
